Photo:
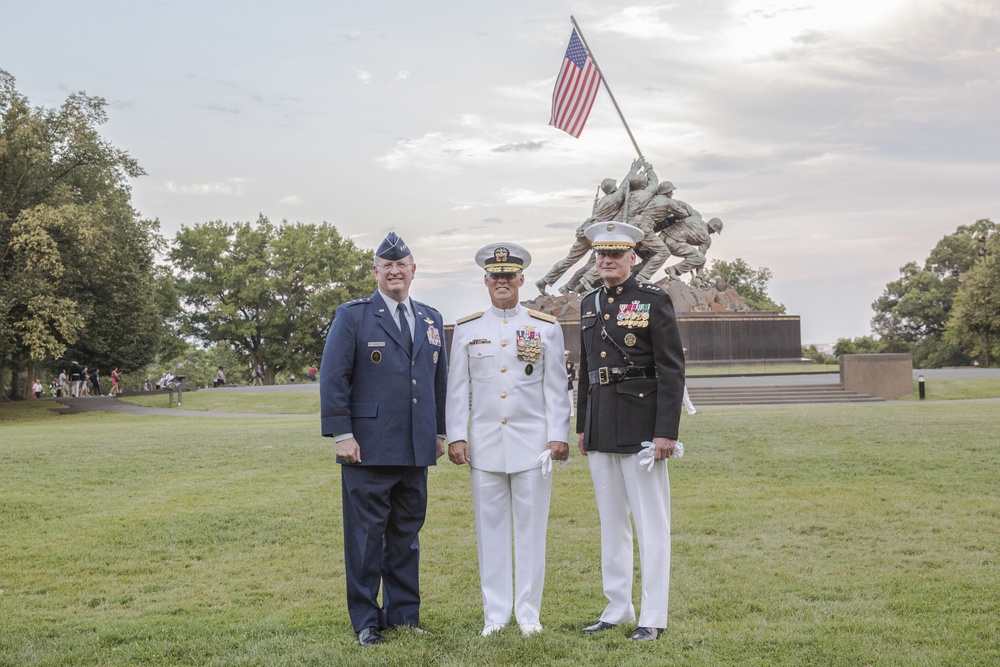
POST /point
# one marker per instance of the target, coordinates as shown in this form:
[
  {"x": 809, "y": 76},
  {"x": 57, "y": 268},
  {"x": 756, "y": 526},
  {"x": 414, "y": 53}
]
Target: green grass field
[
  {"x": 841, "y": 535},
  {"x": 262, "y": 402}
]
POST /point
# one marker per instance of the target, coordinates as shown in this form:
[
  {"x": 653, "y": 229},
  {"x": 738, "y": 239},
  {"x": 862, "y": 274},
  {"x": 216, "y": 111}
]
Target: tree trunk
[
  {"x": 3, "y": 394},
  {"x": 15, "y": 383}
]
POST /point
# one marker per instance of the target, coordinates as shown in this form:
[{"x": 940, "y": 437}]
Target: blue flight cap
[{"x": 392, "y": 248}]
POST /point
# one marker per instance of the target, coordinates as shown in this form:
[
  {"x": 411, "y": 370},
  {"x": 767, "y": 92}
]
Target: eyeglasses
[
  {"x": 613, "y": 254},
  {"x": 497, "y": 277}
]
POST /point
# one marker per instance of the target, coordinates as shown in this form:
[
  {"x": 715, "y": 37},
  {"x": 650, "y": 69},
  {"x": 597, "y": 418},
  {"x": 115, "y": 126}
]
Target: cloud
[
  {"x": 231, "y": 187},
  {"x": 291, "y": 200},
  {"x": 521, "y": 146},
  {"x": 402, "y": 75},
  {"x": 363, "y": 75}
]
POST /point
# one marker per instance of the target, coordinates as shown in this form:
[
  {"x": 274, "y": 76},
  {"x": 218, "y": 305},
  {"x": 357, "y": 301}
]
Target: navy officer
[
  {"x": 383, "y": 382},
  {"x": 508, "y": 418}
]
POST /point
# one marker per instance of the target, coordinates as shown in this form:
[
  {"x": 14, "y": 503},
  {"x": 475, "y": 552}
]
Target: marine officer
[
  {"x": 509, "y": 361},
  {"x": 630, "y": 391}
]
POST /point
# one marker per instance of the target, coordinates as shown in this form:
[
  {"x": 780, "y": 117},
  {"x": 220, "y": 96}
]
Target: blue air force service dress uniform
[
  {"x": 631, "y": 383},
  {"x": 510, "y": 363},
  {"x": 388, "y": 391}
]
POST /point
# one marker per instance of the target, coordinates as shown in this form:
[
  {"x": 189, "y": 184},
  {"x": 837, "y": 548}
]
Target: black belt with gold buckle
[{"x": 606, "y": 375}]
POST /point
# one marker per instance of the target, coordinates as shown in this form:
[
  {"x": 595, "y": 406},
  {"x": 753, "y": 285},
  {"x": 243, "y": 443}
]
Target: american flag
[{"x": 576, "y": 88}]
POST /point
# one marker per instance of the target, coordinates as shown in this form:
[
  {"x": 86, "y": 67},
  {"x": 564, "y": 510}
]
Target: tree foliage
[
  {"x": 914, "y": 311},
  {"x": 749, "y": 283},
  {"x": 75, "y": 259},
  {"x": 975, "y": 322},
  {"x": 267, "y": 291}
]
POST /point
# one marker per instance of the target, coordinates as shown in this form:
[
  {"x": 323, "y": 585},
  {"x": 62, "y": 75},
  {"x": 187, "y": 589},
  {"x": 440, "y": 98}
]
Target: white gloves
[
  {"x": 545, "y": 461},
  {"x": 647, "y": 455}
]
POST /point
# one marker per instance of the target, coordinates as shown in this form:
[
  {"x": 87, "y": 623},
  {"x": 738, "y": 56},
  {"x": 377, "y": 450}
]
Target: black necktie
[{"x": 403, "y": 326}]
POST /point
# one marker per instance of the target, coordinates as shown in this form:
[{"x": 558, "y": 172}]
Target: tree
[
  {"x": 975, "y": 317},
  {"x": 75, "y": 259},
  {"x": 749, "y": 283},
  {"x": 269, "y": 292},
  {"x": 862, "y": 345},
  {"x": 912, "y": 313}
]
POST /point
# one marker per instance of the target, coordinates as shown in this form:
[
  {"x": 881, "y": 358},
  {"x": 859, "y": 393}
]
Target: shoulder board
[
  {"x": 364, "y": 299},
  {"x": 421, "y": 303},
  {"x": 468, "y": 318},
  {"x": 543, "y": 316},
  {"x": 650, "y": 287}
]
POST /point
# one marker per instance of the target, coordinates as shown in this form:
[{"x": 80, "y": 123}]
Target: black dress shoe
[
  {"x": 600, "y": 626},
  {"x": 370, "y": 637},
  {"x": 645, "y": 634}
]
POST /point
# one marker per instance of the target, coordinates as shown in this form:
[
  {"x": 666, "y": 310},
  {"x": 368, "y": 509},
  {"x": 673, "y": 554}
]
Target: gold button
[
  {"x": 611, "y": 299},
  {"x": 503, "y": 344},
  {"x": 414, "y": 401},
  {"x": 603, "y": 354},
  {"x": 503, "y": 369},
  {"x": 607, "y": 316},
  {"x": 642, "y": 396},
  {"x": 504, "y": 395},
  {"x": 414, "y": 383},
  {"x": 503, "y": 421}
]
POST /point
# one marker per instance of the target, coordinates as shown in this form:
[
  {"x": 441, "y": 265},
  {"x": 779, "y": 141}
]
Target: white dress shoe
[
  {"x": 528, "y": 629},
  {"x": 493, "y": 627}
]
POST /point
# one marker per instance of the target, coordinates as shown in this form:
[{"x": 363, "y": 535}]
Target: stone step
[{"x": 777, "y": 395}]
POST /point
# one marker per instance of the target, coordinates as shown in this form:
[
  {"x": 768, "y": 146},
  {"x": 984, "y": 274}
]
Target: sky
[{"x": 836, "y": 139}]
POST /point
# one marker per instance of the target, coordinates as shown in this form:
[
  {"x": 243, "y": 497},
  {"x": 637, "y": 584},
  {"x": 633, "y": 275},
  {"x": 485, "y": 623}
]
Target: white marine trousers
[
  {"x": 624, "y": 487},
  {"x": 515, "y": 503}
]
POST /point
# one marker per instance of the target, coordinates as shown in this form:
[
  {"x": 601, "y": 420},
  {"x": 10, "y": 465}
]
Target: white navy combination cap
[
  {"x": 503, "y": 258},
  {"x": 613, "y": 235}
]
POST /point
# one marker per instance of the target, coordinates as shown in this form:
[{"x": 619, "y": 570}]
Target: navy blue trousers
[{"x": 384, "y": 509}]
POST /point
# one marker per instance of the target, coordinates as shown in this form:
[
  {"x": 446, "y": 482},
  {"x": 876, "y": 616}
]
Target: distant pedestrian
[
  {"x": 220, "y": 377},
  {"x": 63, "y": 384},
  {"x": 147, "y": 384},
  {"x": 95, "y": 381},
  {"x": 258, "y": 376},
  {"x": 115, "y": 383},
  {"x": 312, "y": 373},
  {"x": 76, "y": 377},
  {"x": 570, "y": 376},
  {"x": 36, "y": 388}
]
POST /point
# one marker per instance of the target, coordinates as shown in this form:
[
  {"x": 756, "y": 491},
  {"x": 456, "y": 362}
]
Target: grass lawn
[
  {"x": 950, "y": 389},
  {"x": 277, "y": 403},
  {"x": 840, "y": 535}
]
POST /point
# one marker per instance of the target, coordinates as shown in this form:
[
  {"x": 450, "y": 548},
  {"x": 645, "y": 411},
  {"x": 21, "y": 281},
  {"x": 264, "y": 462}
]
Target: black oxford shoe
[
  {"x": 370, "y": 637},
  {"x": 600, "y": 626},
  {"x": 645, "y": 634}
]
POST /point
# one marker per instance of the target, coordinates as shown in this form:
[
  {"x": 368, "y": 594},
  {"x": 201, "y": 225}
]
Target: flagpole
[{"x": 604, "y": 80}]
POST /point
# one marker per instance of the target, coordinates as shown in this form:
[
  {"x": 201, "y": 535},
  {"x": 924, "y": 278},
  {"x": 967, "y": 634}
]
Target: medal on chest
[
  {"x": 633, "y": 315},
  {"x": 529, "y": 344}
]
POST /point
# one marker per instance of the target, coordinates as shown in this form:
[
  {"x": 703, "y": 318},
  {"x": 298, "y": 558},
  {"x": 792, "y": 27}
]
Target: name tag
[
  {"x": 479, "y": 341},
  {"x": 376, "y": 343}
]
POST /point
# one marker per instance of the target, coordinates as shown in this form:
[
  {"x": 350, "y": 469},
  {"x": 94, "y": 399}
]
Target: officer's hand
[
  {"x": 560, "y": 450},
  {"x": 583, "y": 452},
  {"x": 664, "y": 448},
  {"x": 441, "y": 447},
  {"x": 349, "y": 450},
  {"x": 458, "y": 452}
]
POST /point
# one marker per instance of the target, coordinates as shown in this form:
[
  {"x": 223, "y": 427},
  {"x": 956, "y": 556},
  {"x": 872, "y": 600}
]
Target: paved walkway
[
  {"x": 108, "y": 404},
  {"x": 74, "y": 406}
]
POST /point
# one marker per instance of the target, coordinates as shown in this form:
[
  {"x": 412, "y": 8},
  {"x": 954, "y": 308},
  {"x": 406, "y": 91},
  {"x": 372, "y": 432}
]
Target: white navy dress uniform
[{"x": 509, "y": 362}]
